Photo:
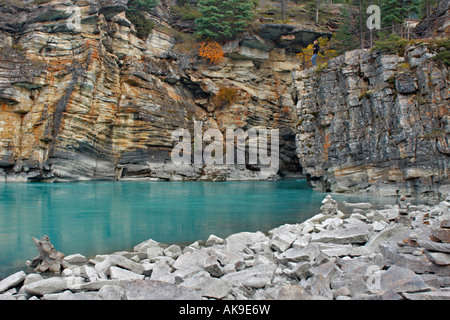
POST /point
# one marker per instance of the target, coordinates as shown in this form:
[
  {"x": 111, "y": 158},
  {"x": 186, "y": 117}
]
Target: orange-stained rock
[{"x": 88, "y": 103}]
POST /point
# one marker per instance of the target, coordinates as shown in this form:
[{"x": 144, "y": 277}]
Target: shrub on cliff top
[
  {"x": 443, "y": 57},
  {"x": 211, "y": 51},
  {"x": 393, "y": 44}
]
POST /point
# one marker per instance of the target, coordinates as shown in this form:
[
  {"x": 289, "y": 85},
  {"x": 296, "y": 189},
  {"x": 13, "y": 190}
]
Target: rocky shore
[{"x": 399, "y": 252}]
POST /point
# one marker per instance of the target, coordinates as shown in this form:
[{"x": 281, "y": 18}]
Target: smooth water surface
[{"x": 103, "y": 217}]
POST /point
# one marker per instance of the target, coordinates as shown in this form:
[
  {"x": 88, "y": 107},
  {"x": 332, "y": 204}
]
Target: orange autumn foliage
[
  {"x": 225, "y": 97},
  {"x": 211, "y": 51}
]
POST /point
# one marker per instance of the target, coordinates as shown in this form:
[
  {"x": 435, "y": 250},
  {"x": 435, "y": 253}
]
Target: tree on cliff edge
[
  {"x": 223, "y": 19},
  {"x": 135, "y": 14}
]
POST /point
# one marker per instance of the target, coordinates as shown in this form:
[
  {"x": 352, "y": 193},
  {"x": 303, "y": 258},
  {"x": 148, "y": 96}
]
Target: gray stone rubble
[{"x": 368, "y": 254}]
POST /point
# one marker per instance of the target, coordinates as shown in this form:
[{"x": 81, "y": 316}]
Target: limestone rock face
[
  {"x": 375, "y": 122},
  {"x": 97, "y": 102},
  {"x": 438, "y": 23}
]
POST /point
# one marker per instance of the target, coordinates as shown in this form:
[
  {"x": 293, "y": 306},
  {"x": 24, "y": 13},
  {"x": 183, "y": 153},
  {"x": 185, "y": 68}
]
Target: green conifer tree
[
  {"x": 392, "y": 13},
  {"x": 223, "y": 19}
]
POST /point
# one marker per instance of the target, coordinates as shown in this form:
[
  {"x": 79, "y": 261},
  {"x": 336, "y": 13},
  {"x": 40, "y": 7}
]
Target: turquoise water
[{"x": 102, "y": 217}]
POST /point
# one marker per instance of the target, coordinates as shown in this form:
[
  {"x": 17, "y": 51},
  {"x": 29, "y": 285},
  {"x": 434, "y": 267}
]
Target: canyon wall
[
  {"x": 100, "y": 103},
  {"x": 376, "y": 122},
  {"x": 97, "y": 102}
]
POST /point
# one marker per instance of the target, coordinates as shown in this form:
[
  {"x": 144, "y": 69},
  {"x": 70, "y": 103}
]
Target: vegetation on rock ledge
[{"x": 135, "y": 14}]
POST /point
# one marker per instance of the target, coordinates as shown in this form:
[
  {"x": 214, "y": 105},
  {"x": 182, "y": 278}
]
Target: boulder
[
  {"x": 120, "y": 261},
  {"x": 385, "y": 234},
  {"x": 68, "y": 295},
  {"x": 212, "y": 266},
  {"x": 173, "y": 251},
  {"x": 157, "y": 290},
  {"x": 97, "y": 285},
  {"x": 264, "y": 273},
  {"x": 153, "y": 252},
  {"x": 442, "y": 234},
  {"x": 335, "y": 250},
  {"x": 76, "y": 259},
  {"x": 32, "y": 277},
  {"x": 229, "y": 257},
  {"x": 293, "y": 292},
  {"x": 430, "y": 295},
  {"x": 358, "y": 234},
  {"x": 302, "y": 270},
  {"x": 281, "y": 240},
  {"x": 195, "y": 260},
  {"x": 109, "y": 292},
  {"x": 212, "y": 240},
  {"x": 240, "y": 241},
  {"x": 12, "y": 281},
  {"x": 434, "y": 246},
  {"x": 328, "y": 271},
  {"x": 209, "y": 287},
  {"x": 418, "y": 264},
  {"x": 51, "y": 285},
  {"x": 162, "y": 272},
  {"x": 308, "y": 253},
  {"x": 400, "y": 279},
  {"x": 256, "y": 282},
  {"x": 116, "y": 273},
  {"x": 440, "y": 258},
  {"x": 143, "y": 246}
]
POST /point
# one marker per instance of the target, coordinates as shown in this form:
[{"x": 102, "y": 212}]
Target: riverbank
[{"x": 394, "y": 253}]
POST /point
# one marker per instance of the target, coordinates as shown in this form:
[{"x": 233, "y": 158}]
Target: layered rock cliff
[
  {"x": 376, "y": 122},
  {"x": 97, "y": 102}
]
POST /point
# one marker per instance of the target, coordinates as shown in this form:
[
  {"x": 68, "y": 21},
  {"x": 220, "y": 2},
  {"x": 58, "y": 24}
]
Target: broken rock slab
[
  {"x": 120, "y": 261},
  {"x": 157, "y": 290},
  {"x": 440, "y": 258},
  {"x": 12, "y": 281},
  {"x": 430, "y": 295},
  {"x": 419, "y": 264},
  {"x": 359, "y": 234},
  {"x": 399, "y": 280},
  {"x": 51, "y": 285}
]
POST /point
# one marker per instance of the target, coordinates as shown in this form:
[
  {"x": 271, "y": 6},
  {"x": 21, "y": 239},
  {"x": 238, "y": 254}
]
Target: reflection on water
[{"x": 102, "y": 217}]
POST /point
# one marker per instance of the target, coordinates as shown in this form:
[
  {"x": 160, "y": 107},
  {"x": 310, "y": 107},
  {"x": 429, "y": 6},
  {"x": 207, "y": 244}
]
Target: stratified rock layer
[
  {"x": 375, "y": 122},
  {"x": 100, "y": 103}
]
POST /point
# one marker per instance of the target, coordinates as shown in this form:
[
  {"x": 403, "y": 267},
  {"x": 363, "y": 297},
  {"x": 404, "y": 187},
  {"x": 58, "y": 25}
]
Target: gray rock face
[
  {"x": 362, "y": 127},
  {"x": 151, "y": 90}
]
